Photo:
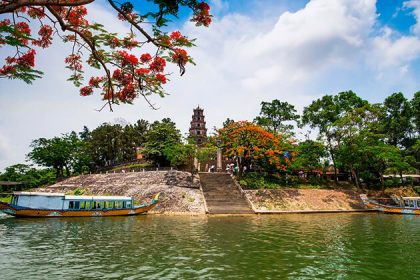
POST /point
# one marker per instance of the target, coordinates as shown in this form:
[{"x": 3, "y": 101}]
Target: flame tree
[
  {"x": 252, "y": 145},
  {"x": 127, "y": 72}
]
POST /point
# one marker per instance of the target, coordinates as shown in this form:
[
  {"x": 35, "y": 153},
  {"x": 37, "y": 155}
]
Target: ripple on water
[{"x": 327, "y": 246}]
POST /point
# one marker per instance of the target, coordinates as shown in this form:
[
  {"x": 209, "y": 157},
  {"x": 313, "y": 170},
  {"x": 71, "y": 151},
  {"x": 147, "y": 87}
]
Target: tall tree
[
  {"x": 159, "y": 136},
  {"x": 309, "y": 156},
  {"x": 397, "y": 120},
  {"x": 323, "y": 114},
  {"x": 274, "y": 114},
  {"x": 252, "y": 144},
  {"x": 125, "y": 75},
  {"x": 59, "y": 153}
]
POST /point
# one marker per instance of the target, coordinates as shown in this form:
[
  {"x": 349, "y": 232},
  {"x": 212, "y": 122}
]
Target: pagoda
[{"x": 198, "y": 130}]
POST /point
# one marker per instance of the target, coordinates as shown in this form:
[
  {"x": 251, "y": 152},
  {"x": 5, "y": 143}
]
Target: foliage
[
  {"x": 63, "y": 154},
  {"x": 159, "y": 136},
  {"x": 179, "y": 154},
  {"x": 396, "y": 120},
  {"x": 250, "y": 144},
  {"x": 29, "y": 176},
  {"x": 127, "y": 70},
  {"x": 254, "y": 180},
  {"x": 78, "y": 191},
  {"x": 309, "y": 156},
  {"x": 132, "y": 166},
  {"x": 274, "y": 114}
]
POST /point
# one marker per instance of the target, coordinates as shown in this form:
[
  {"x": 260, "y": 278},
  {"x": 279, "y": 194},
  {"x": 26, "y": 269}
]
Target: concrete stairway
[{"x": 222, "y": 195}]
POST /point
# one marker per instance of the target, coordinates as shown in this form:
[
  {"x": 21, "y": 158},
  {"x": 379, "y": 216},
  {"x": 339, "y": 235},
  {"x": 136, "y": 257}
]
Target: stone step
[{"x": 222, "y": 195}]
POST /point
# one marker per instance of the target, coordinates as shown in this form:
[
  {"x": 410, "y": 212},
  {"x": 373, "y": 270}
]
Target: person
[
  {"x": 227, "y": 169},
  {"x": 212, "y": 168}
]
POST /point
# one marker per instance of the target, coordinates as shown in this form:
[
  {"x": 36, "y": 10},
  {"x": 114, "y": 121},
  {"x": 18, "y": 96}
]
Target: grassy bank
[{"x": 255, "y": 181}]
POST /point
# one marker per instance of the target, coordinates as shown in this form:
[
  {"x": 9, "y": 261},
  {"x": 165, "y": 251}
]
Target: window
[
  {"x": 76, "y": 204},
  {"x": 418, "y": 203},
  {"x": 88, "y": 205},
  {"x": 409, "y": 203},
  {"x": 128, "y": 204},
  {"x": 71, "y": 204},
  {"x": 124, "y": 204},
  {"x": 82, "y": 205}
]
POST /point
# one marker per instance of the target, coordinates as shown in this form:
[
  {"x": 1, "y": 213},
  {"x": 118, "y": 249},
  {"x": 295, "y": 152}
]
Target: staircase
[{"x": 222, "y": 195}]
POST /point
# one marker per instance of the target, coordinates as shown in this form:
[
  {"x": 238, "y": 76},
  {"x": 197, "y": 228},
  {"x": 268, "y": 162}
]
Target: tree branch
[
  {"x": 92, "y": 47},
  {"x": 11, "y": 7}
]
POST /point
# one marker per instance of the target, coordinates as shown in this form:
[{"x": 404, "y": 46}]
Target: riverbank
[
  {"x": 181, "y": 193},
  {"x": 304, "y": 200}
]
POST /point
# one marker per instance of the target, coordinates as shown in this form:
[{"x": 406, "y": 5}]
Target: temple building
[{"x": 198, "y": 130}]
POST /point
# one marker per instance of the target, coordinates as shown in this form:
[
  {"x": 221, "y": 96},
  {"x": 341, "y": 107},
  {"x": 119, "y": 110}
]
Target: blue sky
[{"x": 255, "y": 50}]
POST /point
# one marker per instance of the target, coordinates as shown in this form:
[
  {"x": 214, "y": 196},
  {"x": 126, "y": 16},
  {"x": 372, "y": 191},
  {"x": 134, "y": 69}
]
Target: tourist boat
[
  {"x": 407, "y": 205},
  {"x": 36, "y": 204}
]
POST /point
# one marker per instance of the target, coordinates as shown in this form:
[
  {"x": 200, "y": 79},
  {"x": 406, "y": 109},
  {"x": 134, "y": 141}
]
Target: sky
[{"x": 254, "y": 51}]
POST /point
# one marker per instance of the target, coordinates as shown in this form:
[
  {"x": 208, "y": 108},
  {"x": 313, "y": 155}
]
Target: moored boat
[
  {"x": 36, "y": 204},
  {"x": 407, "y": 205}
]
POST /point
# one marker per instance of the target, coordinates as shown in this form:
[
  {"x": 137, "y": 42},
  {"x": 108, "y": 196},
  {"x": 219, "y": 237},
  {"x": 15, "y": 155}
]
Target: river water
[{"x": 311, "y": 246}]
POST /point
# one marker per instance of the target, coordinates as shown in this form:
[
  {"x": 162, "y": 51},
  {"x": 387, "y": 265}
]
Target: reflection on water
[{"x": 316, "y": 246}]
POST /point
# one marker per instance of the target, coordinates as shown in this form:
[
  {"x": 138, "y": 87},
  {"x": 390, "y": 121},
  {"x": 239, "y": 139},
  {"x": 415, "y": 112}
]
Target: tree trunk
[
  {"x": 382, "y": 182},
  {"x": 356, "y": 178}
]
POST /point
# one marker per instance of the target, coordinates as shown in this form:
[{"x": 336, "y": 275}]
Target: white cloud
[{"x": 415, "y": 5}]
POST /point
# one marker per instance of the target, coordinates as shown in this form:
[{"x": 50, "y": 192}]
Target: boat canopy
[
  {"x": 99, "y": 198},
  {"x": 39, "y": 194},
  {"x": 74, "y": 197},
  {"x": 411, "y": 198}
]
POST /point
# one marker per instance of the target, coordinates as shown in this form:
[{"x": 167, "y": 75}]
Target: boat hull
[
  {"x": 389, "y": 209},
  {"x": 51, "y": 213}
]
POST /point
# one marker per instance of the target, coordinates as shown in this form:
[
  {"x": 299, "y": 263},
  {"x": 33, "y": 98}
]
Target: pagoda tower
[{"x": 198, "y": 130}]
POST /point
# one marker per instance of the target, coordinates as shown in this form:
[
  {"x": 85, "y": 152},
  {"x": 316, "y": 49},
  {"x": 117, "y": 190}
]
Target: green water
[{"x": 315, "y": 246}]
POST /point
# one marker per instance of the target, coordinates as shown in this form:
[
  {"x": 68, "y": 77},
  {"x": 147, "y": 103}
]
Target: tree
[
  {"x": 397, "y": 120},
  {"x": 104, "y": 144},
  {"x": 28, "y": 175},
  {"x": 274, "y": 114},
  {"x": 415, "y": 104},
  {"x": 252, "y": 144},
  {"x": 59, "y": 153},
  {"x": 159, "y": 136},
  {"x": 309, "y": 155},
  {"x": 125, "y": 75},
  {"x": 323, "y": 114},
  {"x": 179, "y": 154}
]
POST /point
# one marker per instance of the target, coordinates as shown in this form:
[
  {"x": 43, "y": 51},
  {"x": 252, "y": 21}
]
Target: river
[{"x": 311, "y": 246}]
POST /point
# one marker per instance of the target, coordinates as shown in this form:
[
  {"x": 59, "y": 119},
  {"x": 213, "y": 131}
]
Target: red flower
[
  {"x": 127, "y": 59},
  {"x": 178, "y": 38},
  {"x": 144, "y": 58},
  {"x": 142, "y": 71},
  {"x": 180, "y": 56},
  {"x": 74, "y": 63},
  {"x": 86, "y": 91},
  {"x": 28, "y": 59},
  {"x": 202, "y": 14},
  {"x": 46, "y": 36},
  {"x": 94, "y": 81},
  {"x": 161, "y": 78},
  {"x": 158, "y": 64}
]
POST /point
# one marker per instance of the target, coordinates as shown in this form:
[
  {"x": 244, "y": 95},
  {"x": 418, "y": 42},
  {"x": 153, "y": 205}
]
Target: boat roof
[
  {"x": 74, "y": 197},
  {"x": 87, "y": 197},
  {"x": 39, "y": 193},
  {"x": 411, "y": 197}
]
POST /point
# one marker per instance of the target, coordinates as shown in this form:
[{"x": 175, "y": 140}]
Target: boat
[
  {"x": 37, "y": 204},
  {"x": 405, "y": 205}
]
